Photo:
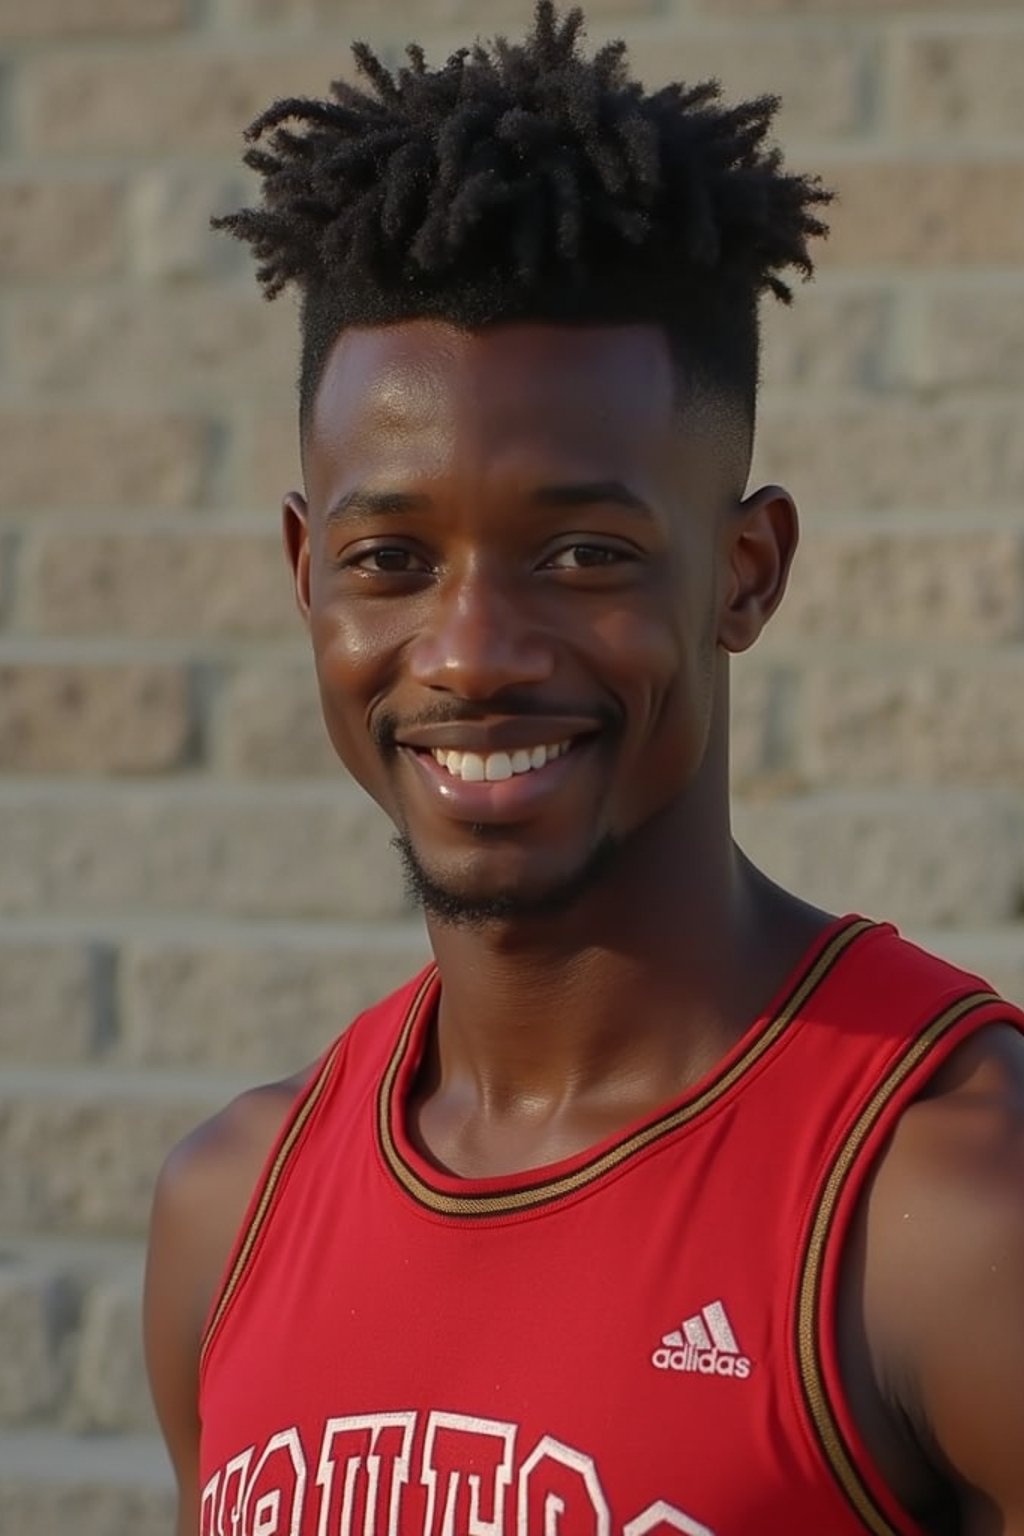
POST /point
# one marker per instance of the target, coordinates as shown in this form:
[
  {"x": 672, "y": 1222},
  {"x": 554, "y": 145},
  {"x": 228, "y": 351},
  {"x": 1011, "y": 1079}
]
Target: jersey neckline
[{"x": 506, "y": 1195}]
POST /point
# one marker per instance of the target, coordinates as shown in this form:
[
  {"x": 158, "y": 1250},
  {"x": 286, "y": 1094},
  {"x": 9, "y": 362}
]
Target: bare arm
[
  {"x": 201, "y": 1197},
  {"x": 945, "y": 1277}
]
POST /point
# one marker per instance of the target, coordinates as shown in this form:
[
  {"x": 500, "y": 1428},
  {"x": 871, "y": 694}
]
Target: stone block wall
[{"x": 191, "y": 897}]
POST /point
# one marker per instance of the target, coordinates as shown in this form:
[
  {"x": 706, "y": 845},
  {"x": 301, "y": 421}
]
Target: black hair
[{"x": 528, "y": 182}]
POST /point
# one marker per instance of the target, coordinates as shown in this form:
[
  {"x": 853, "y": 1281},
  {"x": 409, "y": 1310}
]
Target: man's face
[{"x": 512, "y": 566}]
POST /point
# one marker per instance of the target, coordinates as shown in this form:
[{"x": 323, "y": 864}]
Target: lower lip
[{"x": 499, "y": 800}]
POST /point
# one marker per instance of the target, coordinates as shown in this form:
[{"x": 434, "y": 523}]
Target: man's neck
[{"x": 640, "y": 988}]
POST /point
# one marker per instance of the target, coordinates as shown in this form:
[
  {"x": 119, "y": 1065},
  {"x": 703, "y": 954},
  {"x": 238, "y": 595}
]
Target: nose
[{"x": 480, "y": 638}]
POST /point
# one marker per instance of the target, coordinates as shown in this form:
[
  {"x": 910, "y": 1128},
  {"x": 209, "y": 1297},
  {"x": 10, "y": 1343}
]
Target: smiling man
[{"x": 662, "y": 1201}]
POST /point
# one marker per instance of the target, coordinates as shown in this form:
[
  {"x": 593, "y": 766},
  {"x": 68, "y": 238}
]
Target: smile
[{"x": 493, "y": 767}]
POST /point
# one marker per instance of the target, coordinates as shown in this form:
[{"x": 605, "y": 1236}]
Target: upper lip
[{"x": 513, "y": 734}]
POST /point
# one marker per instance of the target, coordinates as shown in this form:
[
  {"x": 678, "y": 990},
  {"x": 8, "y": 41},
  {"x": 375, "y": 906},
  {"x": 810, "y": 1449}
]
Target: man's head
[
  {"x": 528, "y": 182},
  {"x": 529, "y": 317}
]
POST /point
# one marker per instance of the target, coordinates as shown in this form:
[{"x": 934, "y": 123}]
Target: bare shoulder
[
  {"x": 208, "y": 1179},
  {"x": 200, "y": 1200},
  {"x": 944, "y": 1282},
  {"x": 962, "y": 1140}
]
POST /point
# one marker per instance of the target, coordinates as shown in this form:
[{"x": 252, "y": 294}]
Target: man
[{"x": 663, "y": 1202}]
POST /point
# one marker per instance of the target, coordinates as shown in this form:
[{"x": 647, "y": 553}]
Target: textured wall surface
[{"x": 190, "y": 895}]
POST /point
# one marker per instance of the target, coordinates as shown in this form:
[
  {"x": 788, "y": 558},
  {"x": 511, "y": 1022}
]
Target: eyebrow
[
  {"x": 363, "y": 503},
  {"x": 588, "y": 493}
]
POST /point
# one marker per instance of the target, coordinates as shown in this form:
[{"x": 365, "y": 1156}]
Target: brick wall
[{"x": 169, "y": 927}]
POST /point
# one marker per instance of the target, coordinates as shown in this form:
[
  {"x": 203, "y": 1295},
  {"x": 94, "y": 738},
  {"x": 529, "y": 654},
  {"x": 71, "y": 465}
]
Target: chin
[{"x": 475, "y": 900}]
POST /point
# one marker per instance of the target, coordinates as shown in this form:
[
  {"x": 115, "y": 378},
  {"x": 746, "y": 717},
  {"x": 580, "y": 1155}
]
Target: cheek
[
  {"x": 650, "y": 656},
  {"x": 350, "y": 656}
]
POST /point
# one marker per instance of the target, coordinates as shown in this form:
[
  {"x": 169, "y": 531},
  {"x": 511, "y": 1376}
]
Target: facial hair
[{"x": 457, "y": 909}]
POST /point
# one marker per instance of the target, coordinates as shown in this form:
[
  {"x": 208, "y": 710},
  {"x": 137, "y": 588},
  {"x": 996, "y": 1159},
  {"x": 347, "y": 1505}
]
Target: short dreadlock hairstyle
[{"x": 525, "y": 182}]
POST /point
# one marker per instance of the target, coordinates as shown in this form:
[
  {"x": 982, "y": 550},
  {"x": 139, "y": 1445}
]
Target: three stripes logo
[{"x": 704, "y": 1344}]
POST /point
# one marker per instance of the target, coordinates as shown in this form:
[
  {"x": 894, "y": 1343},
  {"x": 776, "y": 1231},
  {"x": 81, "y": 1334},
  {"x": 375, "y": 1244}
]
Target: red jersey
[{"x": 638, "y": 1339}]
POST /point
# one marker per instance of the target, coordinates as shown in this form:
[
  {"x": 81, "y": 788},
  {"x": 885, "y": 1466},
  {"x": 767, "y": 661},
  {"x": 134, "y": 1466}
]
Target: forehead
[{"x": 592, "y": 391}]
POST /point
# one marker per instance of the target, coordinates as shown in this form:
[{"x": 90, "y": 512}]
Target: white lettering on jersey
[
  {"x": 660, "y": 1519},
  {"x": 372, "y": 1450},
  {"x": 208, "y": 1506},
  {"x": 467, "y": 1468},
  {"x": 226, "y": 1490},
  {"x": 275, "y": 1492},
  {"x": 560, "y": 1493}
]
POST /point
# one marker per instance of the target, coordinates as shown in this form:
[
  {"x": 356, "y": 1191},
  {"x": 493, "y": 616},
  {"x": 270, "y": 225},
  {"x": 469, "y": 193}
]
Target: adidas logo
[{"x": 704, "y": 1344}]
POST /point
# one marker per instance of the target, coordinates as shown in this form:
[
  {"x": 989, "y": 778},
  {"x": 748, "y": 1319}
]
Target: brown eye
[
  {"x": 387, "y": 560},
  {"x": 581, "y": 557}
]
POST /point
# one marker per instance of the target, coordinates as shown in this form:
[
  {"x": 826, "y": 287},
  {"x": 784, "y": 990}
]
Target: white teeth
[
  {"x": 475, "y": 768},
  {"x": 472, "y": 768}
]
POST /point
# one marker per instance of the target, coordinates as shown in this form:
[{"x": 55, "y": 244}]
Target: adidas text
[
  {"x": 704, "y": 1344},
  {"x": 705, "y": 1362}
]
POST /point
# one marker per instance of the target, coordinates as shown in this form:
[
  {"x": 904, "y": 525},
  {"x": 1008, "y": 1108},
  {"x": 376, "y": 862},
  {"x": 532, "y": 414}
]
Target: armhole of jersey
[
  {"x": 261, "y": 1202},
  {"x": 824, "y": 1402}
]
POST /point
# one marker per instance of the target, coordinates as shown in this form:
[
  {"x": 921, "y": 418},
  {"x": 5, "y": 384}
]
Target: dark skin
[{"x": 526, "y": 536}]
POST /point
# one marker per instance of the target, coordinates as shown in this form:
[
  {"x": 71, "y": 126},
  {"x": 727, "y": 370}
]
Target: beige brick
[
  {"x": 911, "y": 857},
  {"x": 843, "y": 9},
  {"x": 109, "y": 1392},
  {"x": 169, "y": 211},
  {"x": 268, "y": 855},
  {"x": 86, "y": 1163},
  {"x": 58, "y": 228},
  {"x": 190, "y": 583},
  {"x": 270, "y": 723},
  {"x": 97, "y": 1508},
  {"x": 93, "y": 719},
  {"x": 47, "y": 1005},
  {"x": 819, "y": 78},
  {"x": 35, "y": 1312},
  {"x": 827, "y": 339},
  {"x": 962, "y": 83},
  {"x": 413, "y": 19},
  {"x": 143, "y": 100},
  {"x": 83, "y": 457},
  {"x": 266, "y": 458},
  {"x": 869, "y": 457},
  {"x": 893, "y": 584},
  {"x": 761, "y": 757},
  {"x": 62, "y": 19},
  {"x": 969, "y": 337},
  {"x": 960, "y": 724},
  {"x": 926, "y": 214},
  {"x": 271, "y": 1006},
  {"x": 191, "y": 346}
]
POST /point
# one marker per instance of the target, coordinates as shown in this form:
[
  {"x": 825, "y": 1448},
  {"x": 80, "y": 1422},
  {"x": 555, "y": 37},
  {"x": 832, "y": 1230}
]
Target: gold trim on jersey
[
  {"x": 549, "y": 1189},
  {"x": 809, "y": 1322},
  {"x": 272, "y": 1179}
]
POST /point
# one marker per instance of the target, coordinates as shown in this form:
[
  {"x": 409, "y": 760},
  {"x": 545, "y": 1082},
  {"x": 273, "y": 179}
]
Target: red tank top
[{"x": 638, "y": 1339}]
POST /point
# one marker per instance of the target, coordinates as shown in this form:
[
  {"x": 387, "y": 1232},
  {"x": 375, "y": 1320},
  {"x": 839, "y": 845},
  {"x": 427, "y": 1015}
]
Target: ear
[
  {"x": 760, "y": 539},
  {"x": 295, "y": 531}
]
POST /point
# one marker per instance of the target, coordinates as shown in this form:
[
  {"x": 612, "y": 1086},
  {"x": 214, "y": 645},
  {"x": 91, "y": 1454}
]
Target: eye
[
  {"x": 386, "y": 560},
  {"x": 585, "y": 557}
]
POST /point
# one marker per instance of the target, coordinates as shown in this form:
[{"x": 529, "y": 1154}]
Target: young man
[{"x": 662, "y": 1202}]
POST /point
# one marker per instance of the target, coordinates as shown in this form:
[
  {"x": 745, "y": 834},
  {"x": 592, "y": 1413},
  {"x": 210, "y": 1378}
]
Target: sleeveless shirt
[{"x": 640, "y": 1339}]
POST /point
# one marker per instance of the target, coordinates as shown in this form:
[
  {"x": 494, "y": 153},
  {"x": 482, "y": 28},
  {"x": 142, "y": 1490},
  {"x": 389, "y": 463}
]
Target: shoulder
[
  {"x": 207, "y": 1180},
  {"x": 961, "y": 1138},
  {"x": 944, "y": 1277},
  {"x": 201, "y": 1196}
]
